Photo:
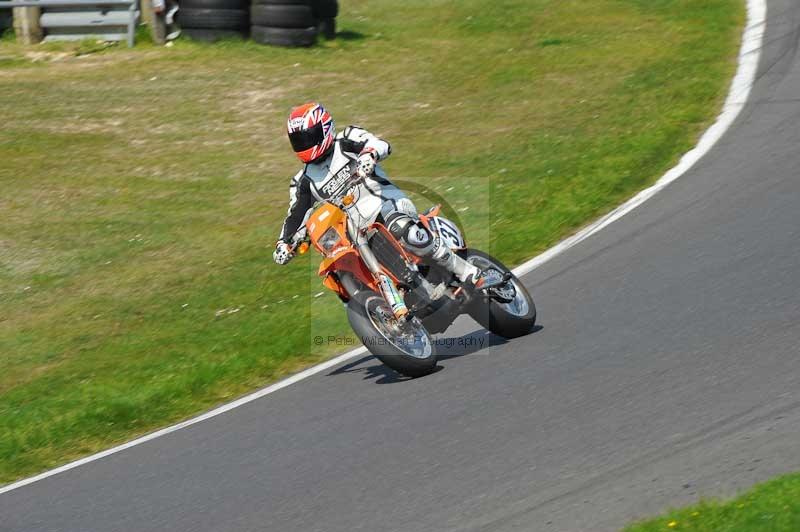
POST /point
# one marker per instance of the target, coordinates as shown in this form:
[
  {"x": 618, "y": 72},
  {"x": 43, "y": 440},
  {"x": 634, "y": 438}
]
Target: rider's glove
[
  {"x": 366, "y": 163},
  {"x": 282, "y": 253}
]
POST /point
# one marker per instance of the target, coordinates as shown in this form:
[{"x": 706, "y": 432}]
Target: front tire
[
  {"x": 409, "y": 351},
  {"x": 507, "y": 319}
]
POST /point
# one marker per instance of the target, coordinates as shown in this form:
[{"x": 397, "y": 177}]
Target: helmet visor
[{"x": 305, "y": 139}]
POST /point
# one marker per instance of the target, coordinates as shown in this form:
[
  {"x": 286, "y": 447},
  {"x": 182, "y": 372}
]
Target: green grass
[
  {"x": 142, "y": 190},
  {"x": 770, "y": 507}
]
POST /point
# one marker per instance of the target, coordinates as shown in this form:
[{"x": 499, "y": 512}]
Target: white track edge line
[{"x": 749, "y": 55}]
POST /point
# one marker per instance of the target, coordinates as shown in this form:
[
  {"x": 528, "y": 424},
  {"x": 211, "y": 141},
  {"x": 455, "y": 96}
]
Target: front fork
[{"x": 388, "y": 289}]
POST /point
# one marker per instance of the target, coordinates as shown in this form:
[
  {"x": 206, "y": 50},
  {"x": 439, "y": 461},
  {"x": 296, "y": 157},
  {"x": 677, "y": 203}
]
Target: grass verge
[
  {"x": 142, "y": 189},
  {"x": 773, "y": 506}
]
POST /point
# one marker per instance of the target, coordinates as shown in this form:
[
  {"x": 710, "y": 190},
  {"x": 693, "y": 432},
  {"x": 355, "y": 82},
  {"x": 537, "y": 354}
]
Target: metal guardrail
[{"x": 72, "y": 3}]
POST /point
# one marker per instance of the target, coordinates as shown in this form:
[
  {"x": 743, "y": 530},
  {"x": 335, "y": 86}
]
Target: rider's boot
[
  {"x": 466, "y": 272},
  {"x": 485, "y": 282},
  {"x": 444, "y": 257}
]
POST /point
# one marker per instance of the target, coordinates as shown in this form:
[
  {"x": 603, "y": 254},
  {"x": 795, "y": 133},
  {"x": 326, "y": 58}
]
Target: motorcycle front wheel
[
  {"x": 509, "y": 318},
  {"x": 408, "y": 348}
]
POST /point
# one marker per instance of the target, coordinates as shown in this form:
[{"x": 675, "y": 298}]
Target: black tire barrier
[
  {"x": 282, "y": 2},
  {"x": 213, "y": 19},
  {"x": 213, "y": 35},
  {"x": 327, "y": 28},
  {"x": 282, "y": 16},
  {"x": 6, "y": 20},
  {"x": 290, "y": 37},
  {"x": 326, "y": 8},
  {"x": 240, "y": 5}
]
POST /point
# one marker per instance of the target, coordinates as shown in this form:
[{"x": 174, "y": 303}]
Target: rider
[{"x": 326, "y": 176}]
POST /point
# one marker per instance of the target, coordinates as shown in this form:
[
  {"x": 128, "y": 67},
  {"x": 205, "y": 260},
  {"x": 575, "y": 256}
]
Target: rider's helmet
[{"x": 311, "y": 131}]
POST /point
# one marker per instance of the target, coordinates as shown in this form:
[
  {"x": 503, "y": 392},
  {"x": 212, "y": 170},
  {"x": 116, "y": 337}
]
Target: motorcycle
[{"x": 395, "y": 301}]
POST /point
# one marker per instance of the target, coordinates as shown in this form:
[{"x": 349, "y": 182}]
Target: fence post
[
  {"x": 132, "y": 24},
  {"x": 26, "y": 25},
  {"x": 154, "y": 21}
]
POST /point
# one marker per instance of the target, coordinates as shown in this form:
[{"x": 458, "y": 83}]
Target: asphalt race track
[{"x": 667, "y": 368}]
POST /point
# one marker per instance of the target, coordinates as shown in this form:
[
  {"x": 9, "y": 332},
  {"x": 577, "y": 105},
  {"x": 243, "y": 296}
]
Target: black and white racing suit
[{"x": 375, "y": 199}]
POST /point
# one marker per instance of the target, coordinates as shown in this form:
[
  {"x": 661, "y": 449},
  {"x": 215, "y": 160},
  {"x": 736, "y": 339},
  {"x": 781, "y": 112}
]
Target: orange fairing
[
  {"x": 322, "y": 219},
  {"x": 333, "y": 284},
  {"x": 340, "y": 256}
]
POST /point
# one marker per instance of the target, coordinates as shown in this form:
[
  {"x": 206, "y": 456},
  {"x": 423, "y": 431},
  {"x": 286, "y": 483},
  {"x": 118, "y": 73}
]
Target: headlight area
[{"x": 329, "y": 240}]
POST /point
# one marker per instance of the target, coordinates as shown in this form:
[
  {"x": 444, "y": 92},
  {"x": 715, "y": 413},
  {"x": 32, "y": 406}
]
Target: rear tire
[
  {"x": 377, "y": 342},
  {"x": 507, "y": 320}
]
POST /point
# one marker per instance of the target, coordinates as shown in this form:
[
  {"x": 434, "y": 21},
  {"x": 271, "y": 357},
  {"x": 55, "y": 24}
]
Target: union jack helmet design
[{"x": 311, "y": 131}]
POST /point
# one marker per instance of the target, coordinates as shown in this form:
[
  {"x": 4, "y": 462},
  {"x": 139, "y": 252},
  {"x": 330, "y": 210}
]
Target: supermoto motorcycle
[{"x": 395, "y": 301}]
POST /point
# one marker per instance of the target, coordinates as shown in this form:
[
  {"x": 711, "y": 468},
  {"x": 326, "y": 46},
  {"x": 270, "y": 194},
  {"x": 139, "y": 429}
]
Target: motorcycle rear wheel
[
  {"x": 408, "y": 350},
  {"x": 507, "y": 319}
]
